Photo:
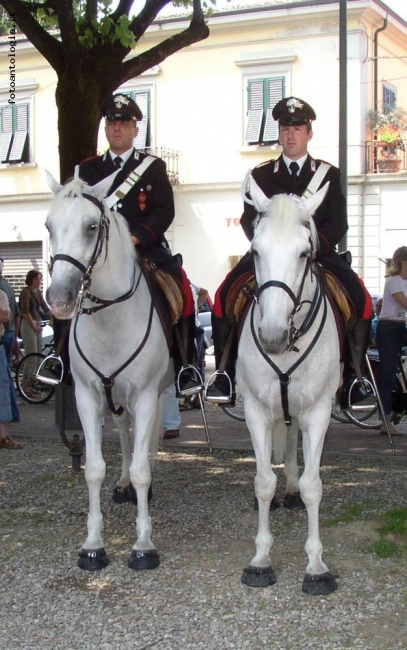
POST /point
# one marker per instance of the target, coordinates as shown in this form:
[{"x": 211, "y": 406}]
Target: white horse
[
  {"x": 118, "y": 351},
  {"x": 288, "y": 371}
]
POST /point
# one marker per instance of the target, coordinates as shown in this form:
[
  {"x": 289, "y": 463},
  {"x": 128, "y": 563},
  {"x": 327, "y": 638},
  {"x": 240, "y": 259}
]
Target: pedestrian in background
[
  {"x": 6, "y": 384},
  {"x": 391, "y": 330}
]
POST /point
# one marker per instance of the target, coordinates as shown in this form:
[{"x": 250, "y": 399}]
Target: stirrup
[
  {"x": 363, "y": 405},
  {"x": 55, "y": 368},
  {"x": 192, "y": 390},
  {"x": 219, "y": 399}
]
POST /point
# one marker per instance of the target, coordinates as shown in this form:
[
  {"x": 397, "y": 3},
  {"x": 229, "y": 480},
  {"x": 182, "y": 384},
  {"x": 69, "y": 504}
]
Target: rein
[
  {"x": 318, "y": 298},
  {"x": 101, "y": 303}
]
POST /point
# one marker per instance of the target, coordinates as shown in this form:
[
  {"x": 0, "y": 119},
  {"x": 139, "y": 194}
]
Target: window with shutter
[
  {"x": 14, "y": 133},
  {"x": 143, "y": 139},
  {"x": 389, "y": 98},
  {"x": 263, "y": 95}
]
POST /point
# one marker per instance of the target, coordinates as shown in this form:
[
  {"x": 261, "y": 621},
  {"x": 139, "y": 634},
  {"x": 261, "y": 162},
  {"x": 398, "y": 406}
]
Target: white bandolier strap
[
  {"x": 316, "y": 180},
  {"x": 129, "y": 182}
]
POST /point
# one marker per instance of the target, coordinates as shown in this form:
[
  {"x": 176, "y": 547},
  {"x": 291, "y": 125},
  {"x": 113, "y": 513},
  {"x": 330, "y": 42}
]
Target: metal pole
[{"x": 343, "y": 109}]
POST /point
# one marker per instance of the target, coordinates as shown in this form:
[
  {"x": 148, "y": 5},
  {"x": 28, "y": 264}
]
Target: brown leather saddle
[
  {"x": 167, "y": 294},
  {"x": 241, "y": 293}
]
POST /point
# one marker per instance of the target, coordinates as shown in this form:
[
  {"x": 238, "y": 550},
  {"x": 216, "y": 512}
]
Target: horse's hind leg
[
  {"x": 124, "y": 491},
  {"x": 318, "y": 579},
  {"x": 259, "y": 573}
]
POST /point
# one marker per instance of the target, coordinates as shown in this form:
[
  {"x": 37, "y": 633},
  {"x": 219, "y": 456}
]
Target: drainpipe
[{"x": 375, "y": 62}]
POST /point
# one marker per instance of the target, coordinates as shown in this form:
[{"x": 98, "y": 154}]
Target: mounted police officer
[
  {"x": 148, "y": 207},
  {"x": 292, "y": 173}
]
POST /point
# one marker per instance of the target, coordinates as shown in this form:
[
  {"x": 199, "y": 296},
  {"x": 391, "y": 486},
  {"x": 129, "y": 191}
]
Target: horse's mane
[
  {"x": 287, "y": 213},
  {"x": 77, "y": 188}
]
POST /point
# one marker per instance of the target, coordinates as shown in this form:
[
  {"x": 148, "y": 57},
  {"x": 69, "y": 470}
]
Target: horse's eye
[
  {"x": 254, "y": 252},
  {"x": 91, "y": 227},
  {"x": 304, "y": 254}
]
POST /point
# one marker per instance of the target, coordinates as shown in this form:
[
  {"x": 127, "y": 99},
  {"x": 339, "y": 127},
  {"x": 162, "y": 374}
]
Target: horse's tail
[{"x": 279, "y": 442}]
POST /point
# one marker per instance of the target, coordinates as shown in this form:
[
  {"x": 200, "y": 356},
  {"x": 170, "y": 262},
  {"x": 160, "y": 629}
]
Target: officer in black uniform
[
  {"x": 291, "y": 173},
  {"x": 148, "y": 207}
]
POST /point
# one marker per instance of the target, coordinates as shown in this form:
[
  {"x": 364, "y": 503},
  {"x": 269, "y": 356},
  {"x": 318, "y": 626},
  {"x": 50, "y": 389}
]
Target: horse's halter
[
  {"x": 294, "y": 333},
  {"x": 102, "y": 238}
]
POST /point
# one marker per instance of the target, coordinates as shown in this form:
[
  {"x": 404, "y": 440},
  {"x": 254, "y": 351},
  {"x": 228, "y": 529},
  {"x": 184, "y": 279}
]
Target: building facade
[{"x": 208, "y": 113}]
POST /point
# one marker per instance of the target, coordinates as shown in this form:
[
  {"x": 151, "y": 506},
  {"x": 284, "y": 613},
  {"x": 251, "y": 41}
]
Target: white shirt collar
[
  {"x": 124, "y": 156},
  {"x": 300, "y": 161}
]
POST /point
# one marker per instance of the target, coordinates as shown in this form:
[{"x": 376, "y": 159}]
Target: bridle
[
  {"x": 295, "y": 333},
  {"x": 101, "y": 303}
]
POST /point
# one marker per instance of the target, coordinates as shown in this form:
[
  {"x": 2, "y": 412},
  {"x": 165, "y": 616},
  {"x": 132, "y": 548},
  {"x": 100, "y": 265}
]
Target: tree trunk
[{"x": 78, "y": 98}]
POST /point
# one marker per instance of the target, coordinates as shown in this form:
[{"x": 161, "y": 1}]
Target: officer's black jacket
[
  {"x": 149, "y": 206},
  {"x": 331, "y": 222}
]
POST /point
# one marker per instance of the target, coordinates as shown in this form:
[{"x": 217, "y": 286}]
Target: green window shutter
[
  {"x": 6, "y": 131},
  {"x": 143, "y": 139},
  {"x": 255, "y": 115},
  {"x": 19, "y": 149},
  {"x": 275, "y": 92},
  {"x": 14, "y": 133},
  {"x": 263, "y": 95}
]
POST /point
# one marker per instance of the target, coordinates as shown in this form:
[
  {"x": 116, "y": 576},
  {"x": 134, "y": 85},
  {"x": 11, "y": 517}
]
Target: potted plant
[{"x": 388, "y": 129}]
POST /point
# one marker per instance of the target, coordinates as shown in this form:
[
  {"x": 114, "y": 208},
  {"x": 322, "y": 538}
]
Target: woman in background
[{"x": 391, "y": 331}]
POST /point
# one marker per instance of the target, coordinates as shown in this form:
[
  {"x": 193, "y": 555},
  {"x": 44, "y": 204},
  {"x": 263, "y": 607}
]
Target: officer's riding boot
[
  {"x": 222, "y": 390},
  {"x": 351, "y": 393},
  {"x": 187, "y": 379}
]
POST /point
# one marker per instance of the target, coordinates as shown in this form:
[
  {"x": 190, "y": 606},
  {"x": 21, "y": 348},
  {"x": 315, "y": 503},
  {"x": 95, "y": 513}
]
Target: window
[
  {"x": 262, "y": 95},
  {"x": 389, "y": 98},
  {"x": 143, "y": 139},
  {"x": 14, "y": 136}
]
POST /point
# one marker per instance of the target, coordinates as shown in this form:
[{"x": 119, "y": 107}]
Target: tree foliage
[{"x": 87, "y": 43}]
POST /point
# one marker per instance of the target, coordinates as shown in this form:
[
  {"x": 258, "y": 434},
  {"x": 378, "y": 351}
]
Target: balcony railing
[
  {"x": 170, "y": 157},
  {"x": 385, "y": 158}
]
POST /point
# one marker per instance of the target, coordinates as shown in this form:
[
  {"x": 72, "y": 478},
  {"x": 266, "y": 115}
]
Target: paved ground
[{"x": 225, "y": 433}]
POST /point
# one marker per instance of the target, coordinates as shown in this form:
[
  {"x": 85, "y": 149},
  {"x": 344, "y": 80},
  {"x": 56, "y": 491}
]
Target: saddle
[
  {"x": 167, "y": 294},
  {"x": 241, "y": 295}
]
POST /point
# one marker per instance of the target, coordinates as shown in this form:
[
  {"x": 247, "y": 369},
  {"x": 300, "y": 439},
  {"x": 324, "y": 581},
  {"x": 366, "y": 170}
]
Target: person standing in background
[{"x": 391, "y": 331}]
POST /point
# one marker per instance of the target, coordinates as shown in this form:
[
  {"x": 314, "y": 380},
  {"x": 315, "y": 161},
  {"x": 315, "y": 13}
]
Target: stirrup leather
[{"x": 219, "y": 399}]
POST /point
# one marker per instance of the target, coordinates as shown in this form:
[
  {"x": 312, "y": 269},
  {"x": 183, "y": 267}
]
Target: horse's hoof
[
  {"x": 292, "y": 501},
  {"x": 320, "y": 585},
  {"x": 274, "y": 505},
  {"x": 254, "y": 576},
  {"x": 142, "y": 560},
  {"x": 93, "y": 560},
  {"x": 128, "y": 494}
]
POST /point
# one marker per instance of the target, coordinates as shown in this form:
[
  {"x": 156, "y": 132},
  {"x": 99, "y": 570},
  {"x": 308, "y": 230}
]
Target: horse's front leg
[
  {"x": 259, "y": 573},
  {"x": 318, "y": 579},
  {"x": 93, "y": 555},
  {"x": 144, "y": 555},
  {"x": 292, "y": 497},
  {"x": 124, "y": 491}
]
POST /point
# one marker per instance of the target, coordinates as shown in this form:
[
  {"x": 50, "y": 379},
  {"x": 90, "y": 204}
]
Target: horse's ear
[
  {"x": 54, "y": 186},
  {"x": 315, "y": 200},
  {"x": 102, "y": 188},
  {"x": 259, "y": 200}
]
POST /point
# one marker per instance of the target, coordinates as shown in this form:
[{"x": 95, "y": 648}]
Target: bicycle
[
  {"x": 29, "y": 386},
  {"x": 368, "y": 415}
]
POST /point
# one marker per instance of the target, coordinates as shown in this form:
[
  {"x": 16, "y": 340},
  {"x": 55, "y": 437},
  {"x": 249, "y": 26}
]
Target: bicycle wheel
[
  {"x": 236, "y": 412},
  {"x": 365, "y": 418},
  {"x": 32, "y": 389}
]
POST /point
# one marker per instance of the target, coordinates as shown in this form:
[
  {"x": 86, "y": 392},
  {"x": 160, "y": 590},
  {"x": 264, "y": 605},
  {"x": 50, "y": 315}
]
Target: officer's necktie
[
  {"x": 294, "y": 167},
  {"x": 118, "y": 162}
]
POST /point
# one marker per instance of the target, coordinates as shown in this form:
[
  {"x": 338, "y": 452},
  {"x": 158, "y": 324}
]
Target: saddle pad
[
  {"x": 340, "y": 297},
  {"x": 170, "y": 288},
  {"x": 239, "y": 294}
]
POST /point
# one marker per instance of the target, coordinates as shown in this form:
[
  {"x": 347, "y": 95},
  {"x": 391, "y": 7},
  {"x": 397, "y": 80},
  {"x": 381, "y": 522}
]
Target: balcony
[
  {"x": 385, "y": 158},
  {"x": 170, "y": 157}
]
